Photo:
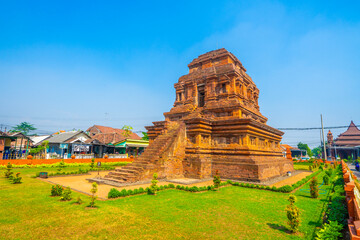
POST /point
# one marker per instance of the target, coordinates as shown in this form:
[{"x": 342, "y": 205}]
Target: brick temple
[{"x": 215, "y": 125}]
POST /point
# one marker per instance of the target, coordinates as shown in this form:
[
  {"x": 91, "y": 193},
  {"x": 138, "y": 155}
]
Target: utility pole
[{"x": 323, "y": 137}]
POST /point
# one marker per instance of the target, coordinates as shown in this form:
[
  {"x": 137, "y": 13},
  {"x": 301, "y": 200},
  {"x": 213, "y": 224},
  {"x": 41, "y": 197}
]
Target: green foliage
[
  {"x": 79, "y": 200},
  {"x": 314, "y": 190},
  {"x": 329, "y": 172},
  {"x": 93, "y": 190},
  {"x": 8, "y": 172},
  {"x": 66, "y": 194},
  {"x": 56, "y": 190},
  {"x": 336, "y": 210},
  {"x": 217, "y": 179},
  {"x": 285, "y": 189},
  {"x": 304, "y": 146},
  {"x": 326, "y": 179},
  {"x": 317, "y": 151},
  {"x": 153, "y": 188},
  {"x": 127, "y": 131},
  {"x": 24, "y": 128},
  {"x": 16, "y": 179},
  {"x": 145, "y": 136},
  {"x": 92, "y": 164},
  {"x": 61, "y": 165},
  {"x": 293, "y": 214},
  {"x": 329, "y": 231}
]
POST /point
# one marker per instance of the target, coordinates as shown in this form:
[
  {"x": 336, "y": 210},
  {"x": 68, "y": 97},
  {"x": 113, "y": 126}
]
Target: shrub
[
  {"x": 16, "y": 179},
  {"x": 130, "y": 192},
  {"x": 79, "y": 201},
  {"x": 141, "y": 190},
  {"x": 178, "y": 187},
  {"x": 136, "y": 191},
  {"x": 326, "y": 179},
  {"x": 92, "y": 164},
  {"x": 217, "y": 179},
  {"x": 153, "y": 188},
  {"x": 8, "y": 172},
  {"x": 113, "y": 193},
  {"x": 56, "y": 190},
  {"x": 331, "y": 230},
  {"x": 285, "y": 189},
  {"x": 274, "y": 189},
  {"x": 186, "y": 188},
  {"x": 61, "y": 165},
  {"x": 310, "y": 168},
  {"x": 161, "y": 187},
  {"x": 293, "y": 214},
  {"x": 329, "y": 172},
  {"x": 124, "y": 193},
  {"x": 93, "y": 196},
  {"x": 171, "y": 185},
  {"x": 314, "y": 190},
  {"x": 66, "y": 194}
]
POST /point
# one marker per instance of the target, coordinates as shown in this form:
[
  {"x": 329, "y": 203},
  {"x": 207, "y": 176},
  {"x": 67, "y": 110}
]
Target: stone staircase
[{"x": 143, "y": 167}]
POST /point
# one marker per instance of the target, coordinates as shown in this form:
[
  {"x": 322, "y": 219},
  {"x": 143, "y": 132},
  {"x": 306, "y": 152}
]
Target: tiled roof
[
  {"x": 110, "y": 130},
  {"x": 64, "y": 137},
  {"x": 107, "y": 138},
  {"x": 351, "y": 137}
]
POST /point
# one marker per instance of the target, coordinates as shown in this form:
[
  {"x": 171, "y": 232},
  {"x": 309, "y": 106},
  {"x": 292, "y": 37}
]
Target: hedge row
[
  {"x": 283, "y": 189},
  {"x": 55, "y": 165},
  {"x": 114, "y": 193}
]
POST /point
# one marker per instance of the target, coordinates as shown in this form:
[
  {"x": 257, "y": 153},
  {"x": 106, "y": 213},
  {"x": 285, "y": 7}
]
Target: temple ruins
[{"x": 215, "y": 125}]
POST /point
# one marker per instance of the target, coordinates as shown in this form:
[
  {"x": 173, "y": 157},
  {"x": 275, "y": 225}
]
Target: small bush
[
  {"x": 153, "y": 188},
  {"x": 66, "y": 194},
  {"x": 141, "y": 190},
  {"x": 217, "y": 179},
  {"x": 331, "y": 230},
  {"x": 130, "y": 192},
  {"x": 293, "y": 214},
  {"x": 285, "y": 189},
  {"x": 124, "y": 193},
  {"x": 314, "y": 190},
  {"x": 171, "y": 185},
  {"x": 326, "y": 179},
  {"x": 16, "y": 179},
  {"x": 93, "y": 196},
  {"x": 79, "y": 201},
  {"x": 114, "y": 193},
  {"x": 56, "y": 190}
]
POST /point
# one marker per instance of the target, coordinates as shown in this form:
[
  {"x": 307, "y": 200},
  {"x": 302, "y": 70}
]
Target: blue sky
[{"x": 67, "y": 64}]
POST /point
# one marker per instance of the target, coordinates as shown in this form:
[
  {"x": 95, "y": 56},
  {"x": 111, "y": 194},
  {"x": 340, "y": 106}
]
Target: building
[
  {"x": 215, "y": 125},
  {"x": 115, "y": 141},
  {"x": 295, "y": 152},
  {"x": 346, "y": 145},
  {"x": 5, "y": 146},
  {"x": 65, "y": 144},
  {"x": 132, "y": 147}
]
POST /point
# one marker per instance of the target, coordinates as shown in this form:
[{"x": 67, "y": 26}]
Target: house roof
[
  {"x": 351, "y": 137},
  {"x": 38, "y": 139},
  {"x": 110, "y": 130},
  {"x": 285, "y": 146},
  {"x": 65, "y": 137},
  {"x": 109, "y": 138}
]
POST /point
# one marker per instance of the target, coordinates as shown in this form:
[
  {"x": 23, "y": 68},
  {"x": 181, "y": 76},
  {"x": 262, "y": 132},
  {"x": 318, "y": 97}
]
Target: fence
[
  {"x": 51, "y": 161},
  {"x": 352, "y": 199}
]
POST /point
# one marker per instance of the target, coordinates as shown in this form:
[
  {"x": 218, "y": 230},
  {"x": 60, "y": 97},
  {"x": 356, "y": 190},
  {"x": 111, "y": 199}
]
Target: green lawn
[{"x": 28, "y": 212}]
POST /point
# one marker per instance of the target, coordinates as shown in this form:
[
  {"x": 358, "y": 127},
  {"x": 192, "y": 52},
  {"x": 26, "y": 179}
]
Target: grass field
[{"x": 28, "y": 212}]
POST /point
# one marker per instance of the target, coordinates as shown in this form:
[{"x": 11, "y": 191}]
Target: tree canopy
[
  {"x": 127, "y": 131},
  {"x": 24, "y": 128},
  {"x": 317, "y": 151},
  {"x": 304, "y": 146},
  {"x": 145, "y": 136}
]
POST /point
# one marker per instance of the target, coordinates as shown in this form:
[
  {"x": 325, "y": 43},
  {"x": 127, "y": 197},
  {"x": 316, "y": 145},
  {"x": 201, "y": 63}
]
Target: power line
[{"x": 312, "y": 128}]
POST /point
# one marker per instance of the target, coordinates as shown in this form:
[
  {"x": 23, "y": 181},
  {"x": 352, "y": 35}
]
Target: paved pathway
[{"x": 352, "y": 168}]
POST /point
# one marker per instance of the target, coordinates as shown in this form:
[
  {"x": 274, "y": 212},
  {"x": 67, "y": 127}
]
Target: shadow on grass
[{"x": 279, "y": 227}]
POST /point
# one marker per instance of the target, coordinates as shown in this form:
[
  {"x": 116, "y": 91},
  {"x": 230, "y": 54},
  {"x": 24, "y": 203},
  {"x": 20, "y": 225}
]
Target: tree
[
  {"x": 145, "y": 136},
  {"x": 304, "y": 146},
  {"x": 127, "y": 131},
  {"x": 293, "y": 214},
  {"x": 93, "y": 190},
  {"x": 314, "y": 190},
  {"x": 317, "y": 151},
  {"x": 24, "y": 128},
  {"x": 153, "y": 188}
]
